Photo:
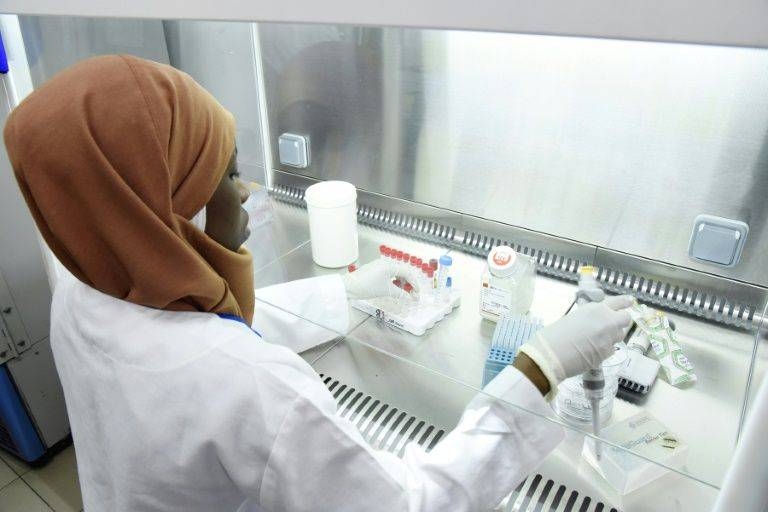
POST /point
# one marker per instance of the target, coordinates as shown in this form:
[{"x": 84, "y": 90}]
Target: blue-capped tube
[
  {"x": 444, "y": 271},
  {"x": 445, "y": 293}
]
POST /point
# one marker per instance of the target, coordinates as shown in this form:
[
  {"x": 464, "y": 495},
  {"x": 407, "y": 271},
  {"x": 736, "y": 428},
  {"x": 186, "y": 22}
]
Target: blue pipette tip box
[{"x": 511, "y": 332}]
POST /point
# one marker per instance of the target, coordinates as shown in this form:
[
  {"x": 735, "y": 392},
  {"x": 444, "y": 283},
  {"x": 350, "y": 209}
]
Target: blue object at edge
[
  {"x": 13, "y": 414},
  {"x": 3, "y": 57},
  {"x": 228, "y": 316}
]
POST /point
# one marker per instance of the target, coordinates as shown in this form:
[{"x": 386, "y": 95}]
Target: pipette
[{"x": 593, "y": 379}]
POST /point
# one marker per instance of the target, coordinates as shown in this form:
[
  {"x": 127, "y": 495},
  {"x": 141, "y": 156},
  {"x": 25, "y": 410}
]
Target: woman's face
[{"x": 226, "y": 219}]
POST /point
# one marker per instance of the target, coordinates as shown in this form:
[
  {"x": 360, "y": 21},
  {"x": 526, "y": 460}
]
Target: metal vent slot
[
  {"x": 389, "y": 429},
  {"x": 540, "y": 494},
  {"x": 716, "y": 308},
  {"x": 711, "y": 307},
  {"x": 291, "y": 195},
  {"x": 384, "y": 427}
]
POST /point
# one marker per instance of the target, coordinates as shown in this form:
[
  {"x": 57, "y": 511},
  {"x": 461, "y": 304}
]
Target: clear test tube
[
  {"x": 445, "y": 293},
  {"x": 425, "y": 283},
  {"x": 431, "y": 279},
  {"x": 408, "y": 309},
  {"x": 433, "y": 265},
  {"x": 445, "y": 268},
  {"x": 397, "y": 306},
  {"x": 415, "y": 270}
]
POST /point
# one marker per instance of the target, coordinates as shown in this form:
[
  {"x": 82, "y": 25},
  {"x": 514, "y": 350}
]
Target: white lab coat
[{"x": 189, "y": 412}]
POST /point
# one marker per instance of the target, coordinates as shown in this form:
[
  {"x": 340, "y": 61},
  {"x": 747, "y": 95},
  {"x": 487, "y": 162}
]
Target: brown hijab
[{"x": 114, "y": 155}]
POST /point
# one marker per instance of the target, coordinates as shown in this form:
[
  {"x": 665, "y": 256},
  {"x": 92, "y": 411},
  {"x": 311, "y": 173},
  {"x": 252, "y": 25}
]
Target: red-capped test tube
[{"x": 383, "y": 251}]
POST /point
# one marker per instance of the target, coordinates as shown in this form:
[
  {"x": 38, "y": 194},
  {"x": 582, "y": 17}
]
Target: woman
[{"x": 175, "y": 403}]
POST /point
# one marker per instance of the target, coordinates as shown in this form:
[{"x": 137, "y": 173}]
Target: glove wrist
[{"x": 538, "y": 351}]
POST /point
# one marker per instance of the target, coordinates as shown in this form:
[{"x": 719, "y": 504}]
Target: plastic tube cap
[
  {"x": 501, "y": 261},
  {"x": 446, "y": 261}
]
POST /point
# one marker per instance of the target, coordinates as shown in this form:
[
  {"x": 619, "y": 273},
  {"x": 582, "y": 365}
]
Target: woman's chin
[{"x": 246, "y": 234}]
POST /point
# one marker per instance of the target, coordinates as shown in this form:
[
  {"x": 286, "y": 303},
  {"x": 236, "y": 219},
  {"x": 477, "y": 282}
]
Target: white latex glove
[
  {"x": 581, "y": 340},
  {"x": 374, "y": 279}
]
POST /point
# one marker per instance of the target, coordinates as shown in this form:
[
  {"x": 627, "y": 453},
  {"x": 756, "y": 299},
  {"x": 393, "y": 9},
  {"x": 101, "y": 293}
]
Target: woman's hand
[
  {"x": 581, "y": 340},
  {"x": 375, "y": 279}
]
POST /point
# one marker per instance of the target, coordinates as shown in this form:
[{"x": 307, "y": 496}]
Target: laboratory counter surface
[{"x": 435, "y": 375}]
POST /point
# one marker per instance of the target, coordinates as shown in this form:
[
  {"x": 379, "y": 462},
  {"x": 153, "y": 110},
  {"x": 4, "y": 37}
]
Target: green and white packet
[{"x": 665, "y": 347}]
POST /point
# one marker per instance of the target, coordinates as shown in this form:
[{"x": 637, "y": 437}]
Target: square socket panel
[
  {"x": 293, "y": 150},
  {"x": 717, "y": 240}
]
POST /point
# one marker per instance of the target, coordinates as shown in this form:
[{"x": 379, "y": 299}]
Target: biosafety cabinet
[{"x": 632, "y": 138}]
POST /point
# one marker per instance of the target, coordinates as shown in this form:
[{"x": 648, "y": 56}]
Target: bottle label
[{"x": 495, "y": 300}]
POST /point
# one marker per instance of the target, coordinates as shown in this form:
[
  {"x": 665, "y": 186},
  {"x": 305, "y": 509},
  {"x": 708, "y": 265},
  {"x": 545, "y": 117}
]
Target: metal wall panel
[
  {"x": 617, "y": 144},
  {"x": 34, "y": 374},
  {"x": 25, "y": 297},
  {"x": 54, "y": 42},
  {"x": 739, "y": 23},
  {"x": 219, "y": 55}
]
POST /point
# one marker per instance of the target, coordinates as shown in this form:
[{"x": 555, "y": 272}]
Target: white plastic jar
[
  {"x": 332, "y": 209},
  {"x": 507, "y": 284}
]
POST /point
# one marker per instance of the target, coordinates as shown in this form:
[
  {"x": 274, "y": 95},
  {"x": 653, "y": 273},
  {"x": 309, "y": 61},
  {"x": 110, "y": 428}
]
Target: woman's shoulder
[{"x": 157, "y": 340}]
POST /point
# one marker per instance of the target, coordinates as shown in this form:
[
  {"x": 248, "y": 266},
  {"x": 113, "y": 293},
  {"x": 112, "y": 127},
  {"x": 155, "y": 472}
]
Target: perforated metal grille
[
  {"x": 541, "y": 494},
  {"x": 386, "y": 428},
  {"x": 713, "y": 307}
]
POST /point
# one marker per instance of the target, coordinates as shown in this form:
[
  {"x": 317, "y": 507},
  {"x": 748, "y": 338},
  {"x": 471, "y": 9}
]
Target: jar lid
[
  {"x": 330, "y": 194},
  {"x": 501, "y": 260}
]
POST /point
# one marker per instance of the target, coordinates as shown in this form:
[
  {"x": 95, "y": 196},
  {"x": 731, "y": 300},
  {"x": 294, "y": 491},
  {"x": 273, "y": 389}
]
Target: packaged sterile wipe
[
  {"x": 653, "y": 328},
  {"x": 644, "y": 435}
]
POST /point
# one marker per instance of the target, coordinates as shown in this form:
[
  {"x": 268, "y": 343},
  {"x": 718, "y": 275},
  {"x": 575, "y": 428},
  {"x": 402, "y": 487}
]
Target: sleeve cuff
[{"x": 538, "y": 358}]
